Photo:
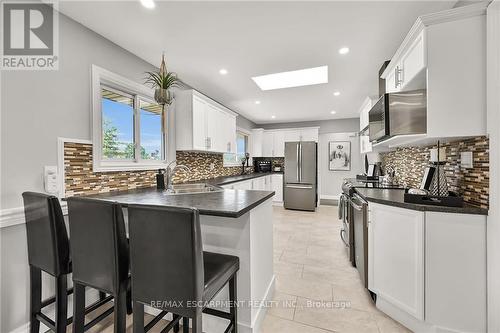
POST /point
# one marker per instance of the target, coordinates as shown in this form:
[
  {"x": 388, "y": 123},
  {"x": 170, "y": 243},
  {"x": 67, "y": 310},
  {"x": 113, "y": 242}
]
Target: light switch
[
  {"x": 466, "y": 160},
  {"x": 50, "y": 180}
]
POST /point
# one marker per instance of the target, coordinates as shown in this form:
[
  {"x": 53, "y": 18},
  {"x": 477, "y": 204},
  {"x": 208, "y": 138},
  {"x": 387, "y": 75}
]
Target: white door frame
[{"x": 493, "y": 105}]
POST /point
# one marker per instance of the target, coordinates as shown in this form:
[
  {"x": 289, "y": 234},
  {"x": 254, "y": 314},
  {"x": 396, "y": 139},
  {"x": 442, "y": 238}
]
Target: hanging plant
[{"x": 162, "y": 82}]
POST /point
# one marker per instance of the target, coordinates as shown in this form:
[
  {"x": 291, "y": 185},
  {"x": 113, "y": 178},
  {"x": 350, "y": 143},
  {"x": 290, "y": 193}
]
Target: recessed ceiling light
[
  {"x": 272, "y": 117},
  {"x": 257, "y": 102},
  {"x": 149, "y": 4},
  {"x": 298, "y": 78},
  {"x": 333, "y": 112},
  {"x": 222, "y": 71},
  {"x": 344, "y": 50},
  {"x": 336, "y": 93}
]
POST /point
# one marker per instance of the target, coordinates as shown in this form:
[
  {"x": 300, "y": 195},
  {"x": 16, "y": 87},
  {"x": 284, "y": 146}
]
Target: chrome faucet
[{"x": 170, "y": 171}]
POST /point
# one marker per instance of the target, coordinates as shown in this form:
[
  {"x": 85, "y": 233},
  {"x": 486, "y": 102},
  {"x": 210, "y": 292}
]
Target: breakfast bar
[{"x": 235, "y": 222}]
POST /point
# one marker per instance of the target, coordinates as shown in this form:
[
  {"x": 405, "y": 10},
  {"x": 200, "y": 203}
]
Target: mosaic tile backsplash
[
  {"x": 473, "y": 184},
  {"x": 81, "y": 180}
]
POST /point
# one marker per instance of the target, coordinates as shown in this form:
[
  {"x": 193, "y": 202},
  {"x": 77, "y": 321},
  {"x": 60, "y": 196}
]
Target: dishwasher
[{"x": 359, "y": 209}]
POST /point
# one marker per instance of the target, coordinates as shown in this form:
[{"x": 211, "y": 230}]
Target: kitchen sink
[{"x": 193, "y": 188}]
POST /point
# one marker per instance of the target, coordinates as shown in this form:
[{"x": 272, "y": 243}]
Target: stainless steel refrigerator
[{"x": 300, "y": 181}]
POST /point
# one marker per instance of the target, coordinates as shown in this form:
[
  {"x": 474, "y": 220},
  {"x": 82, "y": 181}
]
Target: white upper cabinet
[
  {"x": 268, "y": 144},
  {"x": 309, "y": 134},
  {"x": 444, "y": 53},
  {"x": 256, "y": 142},
  {"x": 279, "y": 144},
  {"x": 406, "y": 69},
  {"x": 203, "y": 124},
  {"x": 273, "y": 141},
  {"x": 291, "y": 136},
  {"x": 364, "y": 138}
]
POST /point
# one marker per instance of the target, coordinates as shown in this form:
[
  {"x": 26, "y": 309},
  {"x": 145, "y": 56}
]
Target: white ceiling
[{"x": 256, "y": 38}]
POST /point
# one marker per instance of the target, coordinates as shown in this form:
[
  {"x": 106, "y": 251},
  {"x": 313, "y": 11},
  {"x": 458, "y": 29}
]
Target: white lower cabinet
[
  {"x": 277, "y": 186},
  {"x": 272, "y": 182},
  {"x": 455, "y": 271},
  {"x": 428, "y": 269},
  {"x": 396, "y": 248},
  {"x": 259, "y": 183},
  {"x": 243, "y": 185}
]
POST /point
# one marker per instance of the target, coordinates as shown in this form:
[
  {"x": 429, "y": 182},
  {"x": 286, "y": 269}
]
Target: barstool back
[
  {"x": 98, "y": 244},
  {"x": 166, "y": 257},
  {"x": 48, "y": 244}
]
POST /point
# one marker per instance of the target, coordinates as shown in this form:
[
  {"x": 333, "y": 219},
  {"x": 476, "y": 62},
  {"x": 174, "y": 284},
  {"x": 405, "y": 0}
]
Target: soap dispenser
[{"x": 160, "y": 179}]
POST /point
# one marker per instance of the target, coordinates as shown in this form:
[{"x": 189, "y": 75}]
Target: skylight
[{"x": 298, "y": 78}]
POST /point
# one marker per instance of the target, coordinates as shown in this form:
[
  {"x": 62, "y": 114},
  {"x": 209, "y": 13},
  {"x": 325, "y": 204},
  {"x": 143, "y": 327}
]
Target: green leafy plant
[{"x": 162, "y": 81}]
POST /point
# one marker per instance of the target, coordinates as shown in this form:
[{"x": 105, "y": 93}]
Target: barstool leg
[
  {"x": 185, "y": 325},
  {"x": 129, "y": 301},
  {"x": 233, "y": 298},
  {"x": 61, "y": 318},
  {"x": 176, "y": 326},
  {"x": 138, "y": 317},
  {"x": 78, "y": 308},
  {"x": 120, "y": 312},
  {"x": 35, "y": 298}
]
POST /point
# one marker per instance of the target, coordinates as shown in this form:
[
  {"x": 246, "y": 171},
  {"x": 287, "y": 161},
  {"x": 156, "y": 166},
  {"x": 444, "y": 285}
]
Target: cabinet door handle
[{"x": 397, "y": 77}]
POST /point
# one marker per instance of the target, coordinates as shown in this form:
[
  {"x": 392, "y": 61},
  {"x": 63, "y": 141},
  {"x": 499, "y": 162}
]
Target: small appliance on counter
[{"x": 262, "y": 166}]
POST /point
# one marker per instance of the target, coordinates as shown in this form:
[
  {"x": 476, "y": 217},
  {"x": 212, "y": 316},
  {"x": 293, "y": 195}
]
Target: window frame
[
  {"x": 109, "y": 80},
  {"x": 234, "y": 163}
]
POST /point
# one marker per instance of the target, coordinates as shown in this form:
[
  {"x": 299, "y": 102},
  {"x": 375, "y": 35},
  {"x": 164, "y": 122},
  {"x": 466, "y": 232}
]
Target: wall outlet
[
  {"x": 212, "y": 167},
  {"x": 466, "y": 160},
  {"x": 51, "y": 180}
]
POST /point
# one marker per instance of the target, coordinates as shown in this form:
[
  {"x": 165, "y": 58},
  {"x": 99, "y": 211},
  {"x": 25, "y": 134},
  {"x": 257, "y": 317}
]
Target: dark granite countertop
[
  {"x": 395, "y": 197},
  {"x": 224, "y": 180},
  {"x": 227, "y": 203}
]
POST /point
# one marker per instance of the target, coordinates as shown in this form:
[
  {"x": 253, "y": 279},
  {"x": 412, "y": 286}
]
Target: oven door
[
  {"x": 343, "y": 209},
  {"x": 360, "y": 227}
]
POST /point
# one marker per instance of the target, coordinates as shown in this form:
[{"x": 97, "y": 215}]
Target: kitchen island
[{"x": 235, "y": 222}]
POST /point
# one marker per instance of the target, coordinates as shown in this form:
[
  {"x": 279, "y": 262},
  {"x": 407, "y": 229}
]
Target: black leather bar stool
[
  {"x": 48, "y": 251},
  {"x": 171, "y": 272},
  {"x": 100, "y": 253}
]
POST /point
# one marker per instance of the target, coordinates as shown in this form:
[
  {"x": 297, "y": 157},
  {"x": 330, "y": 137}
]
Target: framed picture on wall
[{"x": 339, "y": 155}]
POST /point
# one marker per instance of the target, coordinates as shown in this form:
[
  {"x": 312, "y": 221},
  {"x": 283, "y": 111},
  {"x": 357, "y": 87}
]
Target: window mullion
[{"x": 137, "y": 127}]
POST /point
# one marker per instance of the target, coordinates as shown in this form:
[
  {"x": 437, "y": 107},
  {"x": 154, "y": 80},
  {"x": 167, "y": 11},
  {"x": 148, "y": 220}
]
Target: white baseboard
[{"x": 261, "y": 314}]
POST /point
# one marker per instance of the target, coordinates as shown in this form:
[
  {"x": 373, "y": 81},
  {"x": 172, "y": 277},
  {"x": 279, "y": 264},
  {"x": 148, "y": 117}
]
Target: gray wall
[
  {"x": 330, "y": 182},
  {"x": 325, "y": 126},
  {"x": 37, "y": 107},
  {"x": 245, "y": 123}
]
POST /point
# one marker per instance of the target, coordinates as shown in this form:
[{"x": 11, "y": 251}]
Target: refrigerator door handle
[
  {"x": 304, "y": 187},
  {"x": 298, "y": 164}
]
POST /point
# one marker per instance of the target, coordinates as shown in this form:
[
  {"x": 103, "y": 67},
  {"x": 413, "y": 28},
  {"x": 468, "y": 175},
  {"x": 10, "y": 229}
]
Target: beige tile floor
[{"x": 317, "y": 289}]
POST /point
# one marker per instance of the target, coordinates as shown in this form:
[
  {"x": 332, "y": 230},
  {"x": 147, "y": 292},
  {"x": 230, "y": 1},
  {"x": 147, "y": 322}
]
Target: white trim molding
[
  {"x": 493, "y": 119},
  {"x": 102, "y": 76},
  {"x": 15, "y": 216}
]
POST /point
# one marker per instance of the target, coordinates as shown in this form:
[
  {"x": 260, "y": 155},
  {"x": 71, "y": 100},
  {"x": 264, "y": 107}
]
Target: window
[
  {"x": 241, "y": 150},
  {"x": 128, "y": 125}
]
